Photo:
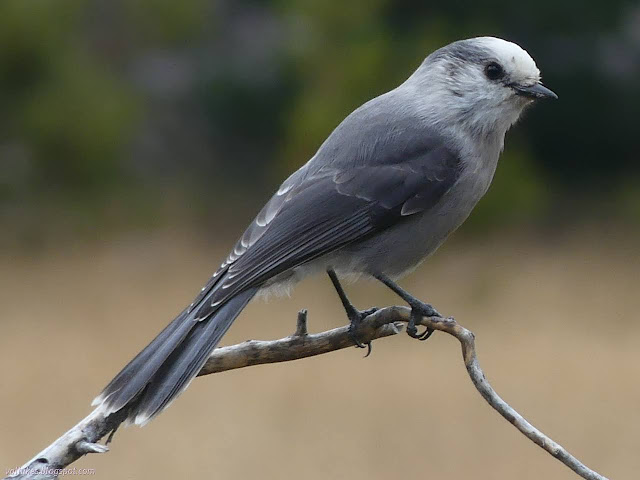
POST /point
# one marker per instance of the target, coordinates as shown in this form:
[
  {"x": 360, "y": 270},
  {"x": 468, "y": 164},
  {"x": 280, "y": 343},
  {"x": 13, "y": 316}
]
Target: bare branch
[
  {"x": 83, "y": 437},
  {"x": 383, "y": 323},
  {"x": 467, "y": 341}
]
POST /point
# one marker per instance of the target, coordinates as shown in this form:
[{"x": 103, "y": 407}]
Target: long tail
[{"x": 164, "y": 369}]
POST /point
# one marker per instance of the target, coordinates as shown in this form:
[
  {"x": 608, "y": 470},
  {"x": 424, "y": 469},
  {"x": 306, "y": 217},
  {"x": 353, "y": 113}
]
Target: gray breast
[{"x": 401, "y": 248}]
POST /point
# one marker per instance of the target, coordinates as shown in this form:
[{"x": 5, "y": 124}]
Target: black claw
[
  {"x": 413, "y": 333},
  {"x": 419, "y": 309},
  {"x": 427, "y": 333},
  {"x": 354, "y": 336},
  {"x": 412, "y": 330},
  {"x": 355, "y": 319}
]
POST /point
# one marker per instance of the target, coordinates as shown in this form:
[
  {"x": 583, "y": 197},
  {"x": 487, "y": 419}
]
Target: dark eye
[{"x": 493, "y": 71}]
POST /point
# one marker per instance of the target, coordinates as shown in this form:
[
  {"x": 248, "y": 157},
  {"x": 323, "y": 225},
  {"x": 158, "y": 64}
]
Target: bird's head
[{"x": 484, "y": 83}]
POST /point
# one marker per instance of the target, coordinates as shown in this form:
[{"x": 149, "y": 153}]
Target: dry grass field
[{"x": 558, "y": 334}]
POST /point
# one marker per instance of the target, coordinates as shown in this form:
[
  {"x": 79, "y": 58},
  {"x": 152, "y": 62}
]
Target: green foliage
[
  {"x": 78, "y": 122},
  {"x": 159, "y": 22},
  {"x": 129, "y": 100},
  {"x": 72, "y": 115}
]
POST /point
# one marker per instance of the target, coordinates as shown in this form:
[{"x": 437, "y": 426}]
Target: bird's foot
[
  {"x": 355, "y": 320},
  {"x": 420, "y": 310}
]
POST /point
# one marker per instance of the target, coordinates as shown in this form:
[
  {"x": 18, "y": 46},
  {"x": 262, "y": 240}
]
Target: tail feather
[
  {"x": 160, "y": 372},
  {"x": 187, "y": 359},
  {"x": 149, "y": 360}
]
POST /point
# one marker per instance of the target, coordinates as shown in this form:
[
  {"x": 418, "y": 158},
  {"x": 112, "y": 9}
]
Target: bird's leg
[
  {"x": 418, "y": 309},
  {"x": 355, "y": 316}
]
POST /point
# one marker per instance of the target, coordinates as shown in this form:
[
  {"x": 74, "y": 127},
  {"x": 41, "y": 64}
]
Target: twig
[
  {"x": 83, "y": 437},
  {"x": 467, "y": 341}
]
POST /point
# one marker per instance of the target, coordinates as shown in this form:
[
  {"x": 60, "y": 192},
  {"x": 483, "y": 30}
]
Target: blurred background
[{"x": 138, "y": 138}]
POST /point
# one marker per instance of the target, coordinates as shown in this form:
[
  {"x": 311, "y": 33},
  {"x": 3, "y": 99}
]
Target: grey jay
[{"x": 383, "y": 191}]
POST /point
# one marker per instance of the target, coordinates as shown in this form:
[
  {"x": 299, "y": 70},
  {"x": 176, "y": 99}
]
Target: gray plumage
[{"x": 385, "y": 189}]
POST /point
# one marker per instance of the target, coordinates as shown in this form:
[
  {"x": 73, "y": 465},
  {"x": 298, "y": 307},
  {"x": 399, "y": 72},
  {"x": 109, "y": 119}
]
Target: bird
[{"x": 392, "y": 181}]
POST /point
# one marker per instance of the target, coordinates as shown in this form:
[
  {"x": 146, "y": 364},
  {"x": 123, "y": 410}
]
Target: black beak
[{"x": 535, "y": 91}]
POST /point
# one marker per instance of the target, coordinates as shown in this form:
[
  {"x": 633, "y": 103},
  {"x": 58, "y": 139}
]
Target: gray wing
[{"x": 312, "y": 215}]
